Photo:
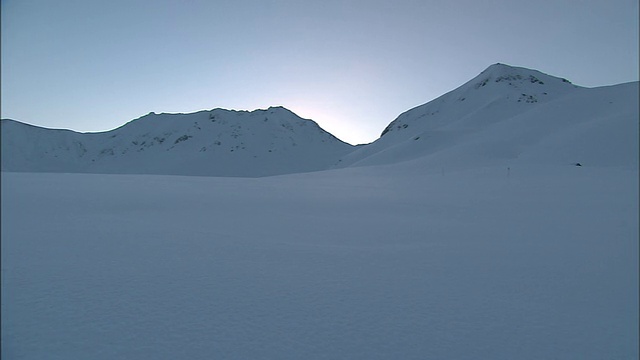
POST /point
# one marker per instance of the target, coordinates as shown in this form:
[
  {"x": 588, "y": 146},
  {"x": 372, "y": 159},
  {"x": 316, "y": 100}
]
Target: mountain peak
[
  {"x": 502, "y": 68},
  {"x": 499, "y": 85},
  {"x": 279, "y": 110},
  {"x": 502, "y": 115},
  {"x": 503, "y": 73}
]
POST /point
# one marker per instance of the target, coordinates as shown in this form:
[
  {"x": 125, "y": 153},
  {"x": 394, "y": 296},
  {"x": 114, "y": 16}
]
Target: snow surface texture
[
  {"x": 479, "y": 240},
  {"x": 213, "y": 143},
  {"x": 538, "y": 262}
]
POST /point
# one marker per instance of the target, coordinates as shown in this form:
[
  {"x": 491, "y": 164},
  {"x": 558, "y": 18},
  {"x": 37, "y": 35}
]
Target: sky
[{"x": 351, "y": 65}]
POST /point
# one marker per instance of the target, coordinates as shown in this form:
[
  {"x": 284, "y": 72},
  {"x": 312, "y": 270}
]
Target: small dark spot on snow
[{"x": 182, "y": 138}]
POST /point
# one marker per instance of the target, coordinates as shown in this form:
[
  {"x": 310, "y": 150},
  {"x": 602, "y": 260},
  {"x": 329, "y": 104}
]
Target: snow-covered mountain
[
  {"x": 510, "y": 114},
  {"x": 505, "y": 115},
  {"x": 214, "y": 143}
]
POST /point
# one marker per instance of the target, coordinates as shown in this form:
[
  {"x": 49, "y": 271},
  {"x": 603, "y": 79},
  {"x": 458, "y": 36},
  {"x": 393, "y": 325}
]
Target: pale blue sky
[{"x": 350, "y": 65}]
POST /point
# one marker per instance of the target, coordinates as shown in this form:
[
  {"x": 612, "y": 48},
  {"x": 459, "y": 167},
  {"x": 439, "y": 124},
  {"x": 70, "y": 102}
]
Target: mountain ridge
[
  {"x": 504, "y": 114},
  {"x": 216, "y": 142}
]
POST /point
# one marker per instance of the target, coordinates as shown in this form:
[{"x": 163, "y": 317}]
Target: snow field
[{"x": 360, "y": 263}]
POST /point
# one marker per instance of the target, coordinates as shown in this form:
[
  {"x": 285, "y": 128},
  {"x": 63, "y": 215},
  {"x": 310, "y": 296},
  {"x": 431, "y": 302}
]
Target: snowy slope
[
  {"x": 359, "y": 263},
  {"x": 510, "y": 115},
  {"x": 217, "y": 143}
]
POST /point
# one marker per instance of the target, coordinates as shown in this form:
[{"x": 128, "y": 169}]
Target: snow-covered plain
[{"x": 531, "y": 262}]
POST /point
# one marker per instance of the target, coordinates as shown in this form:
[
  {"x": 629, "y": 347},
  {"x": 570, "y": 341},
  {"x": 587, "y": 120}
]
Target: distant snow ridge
[
  {"x": 503, "y": 116},
  {"x": 212, "y": 143},
  {"x": 509, "y": 114}
]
